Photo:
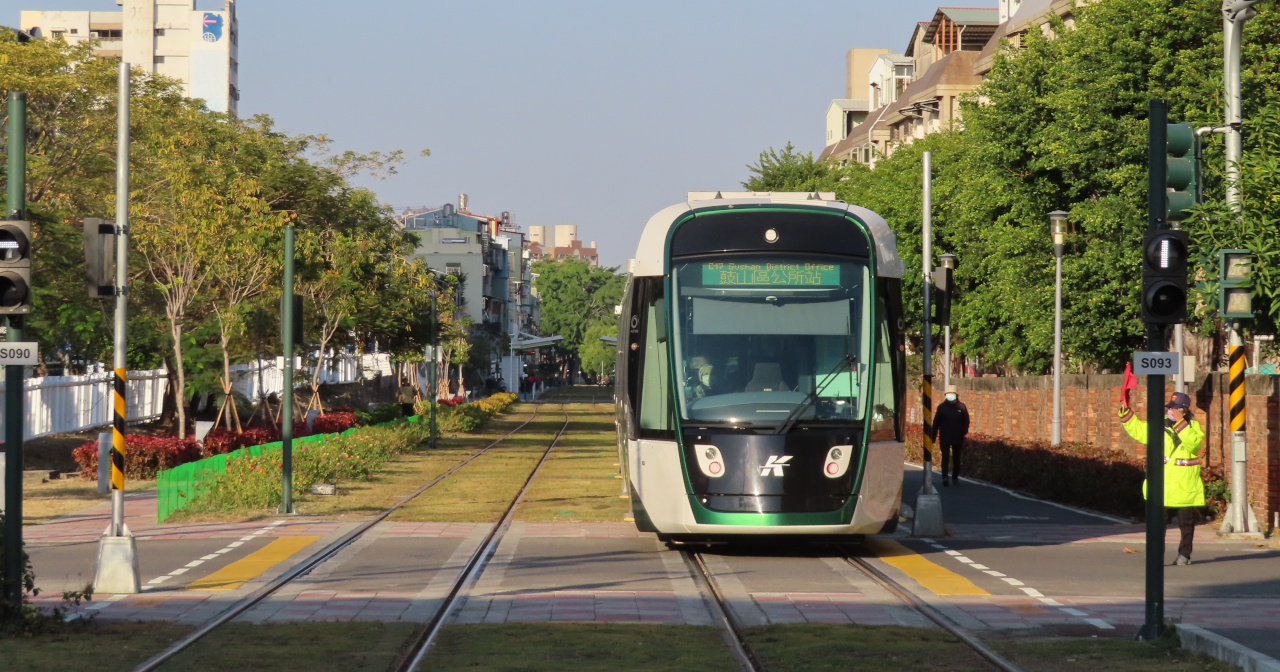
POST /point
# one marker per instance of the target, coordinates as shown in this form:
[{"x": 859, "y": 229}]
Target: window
[
  {"x": 884, "y": 409},
  {"x": 655, "y": 383},
  {"x": 760, "y": 338},
  {"x": 159, "y": 32},
  {"x": 159, "y": 60},
  {"x": 75, "y": 31}
]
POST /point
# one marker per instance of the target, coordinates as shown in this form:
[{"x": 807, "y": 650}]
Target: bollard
[
  {"x": 928, "y": 521},
  {"x": 104, "y": 463}
]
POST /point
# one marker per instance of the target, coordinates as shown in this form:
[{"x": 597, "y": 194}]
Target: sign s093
[{"x": 1156, "y": 363}]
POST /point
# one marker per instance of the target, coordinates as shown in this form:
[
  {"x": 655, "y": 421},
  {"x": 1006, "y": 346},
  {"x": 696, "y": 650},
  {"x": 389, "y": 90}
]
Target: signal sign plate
[
  {"x": 1155, "y": 363},
  {"x": 19, "y": 354}
]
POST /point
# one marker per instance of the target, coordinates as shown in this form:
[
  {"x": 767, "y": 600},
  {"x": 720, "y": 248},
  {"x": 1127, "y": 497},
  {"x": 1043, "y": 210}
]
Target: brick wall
[{"x": 1022, "y": 408}]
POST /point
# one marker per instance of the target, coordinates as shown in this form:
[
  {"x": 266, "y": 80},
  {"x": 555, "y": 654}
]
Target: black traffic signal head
[
  {"x": 1180, "y": 171},
  {"x": 945, "y": 286},
  {"x": 100, "y": 257},
  {"x": 15, "y": 267},
  {"x": 1164, "y": 276}
]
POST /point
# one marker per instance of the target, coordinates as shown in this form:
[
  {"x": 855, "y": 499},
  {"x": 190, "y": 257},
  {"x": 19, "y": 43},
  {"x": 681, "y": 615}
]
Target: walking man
[
  {"x": 951, "y": 425},
  {"x": 406, "y": 395},
  {"x": 1183, "y": 487}
]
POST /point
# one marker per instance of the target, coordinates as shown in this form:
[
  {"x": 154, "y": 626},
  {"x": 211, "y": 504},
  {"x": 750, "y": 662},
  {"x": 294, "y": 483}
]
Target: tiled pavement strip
[{"x": 491, "y": 602}]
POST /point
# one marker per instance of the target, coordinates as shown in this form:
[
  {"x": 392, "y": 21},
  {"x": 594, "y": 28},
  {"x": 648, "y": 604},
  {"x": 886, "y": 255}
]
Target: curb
[{"x": 1228, "y": 651}]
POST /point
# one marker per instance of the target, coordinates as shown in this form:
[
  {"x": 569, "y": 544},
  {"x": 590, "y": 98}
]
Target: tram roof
[{"x": 651, "y": 253}]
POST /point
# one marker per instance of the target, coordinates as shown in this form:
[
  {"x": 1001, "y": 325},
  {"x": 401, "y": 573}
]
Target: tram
[{"x": 760, "y": 371}]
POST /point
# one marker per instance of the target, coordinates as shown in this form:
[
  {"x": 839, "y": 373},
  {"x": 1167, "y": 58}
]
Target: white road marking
[
  {"x": 222, "y": 551},
  {"x": 1032, "y": 592},
  {"x": 210, "y": 556}
]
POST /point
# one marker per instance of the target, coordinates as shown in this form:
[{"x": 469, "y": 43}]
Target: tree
[{"x": 575, "y": 298}]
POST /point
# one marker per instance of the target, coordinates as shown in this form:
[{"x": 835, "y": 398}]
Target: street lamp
[
  {"x": 949, "y": 263},
  {"x": 1058, "y": 230}
]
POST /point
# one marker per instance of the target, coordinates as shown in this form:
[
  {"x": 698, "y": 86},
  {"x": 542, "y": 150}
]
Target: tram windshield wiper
[{"x": 794, "y": 416}]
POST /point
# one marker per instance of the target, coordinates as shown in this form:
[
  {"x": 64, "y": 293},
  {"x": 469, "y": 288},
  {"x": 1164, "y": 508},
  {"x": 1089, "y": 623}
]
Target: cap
[
  {"x": 951, "y": 389},
  {"x": 1179, "y": 400}
]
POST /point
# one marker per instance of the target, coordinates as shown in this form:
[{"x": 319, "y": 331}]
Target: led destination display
[{"x": 770, "y": 275}]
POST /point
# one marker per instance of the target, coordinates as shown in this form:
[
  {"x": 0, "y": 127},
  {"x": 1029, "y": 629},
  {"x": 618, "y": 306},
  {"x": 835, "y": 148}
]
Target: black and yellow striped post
[
  {"x": 1239, "y": 519},
  {"x": 117, "y": 441}
]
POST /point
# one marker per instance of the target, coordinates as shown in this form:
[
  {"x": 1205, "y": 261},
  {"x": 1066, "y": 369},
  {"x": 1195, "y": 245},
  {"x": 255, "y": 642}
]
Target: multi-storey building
[
  {"x": 919, "y": 91},
  {"x": 562, "y": 242},
  {"x": 166, "y": 37}
]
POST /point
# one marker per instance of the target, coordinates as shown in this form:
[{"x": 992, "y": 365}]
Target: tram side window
[
  {"x": 884, "y": 413},
  {"x": 655, "y": 386}
]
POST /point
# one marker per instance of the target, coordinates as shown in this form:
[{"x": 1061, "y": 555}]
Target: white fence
[
  {"x": 58, "y": 404},
  {"x": 64, "y": 404},
  {"x": 266, "y": 376}
]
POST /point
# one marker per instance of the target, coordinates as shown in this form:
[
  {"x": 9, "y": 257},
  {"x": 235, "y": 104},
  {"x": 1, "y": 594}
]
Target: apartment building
[
  {"x": 919, "y": 91},
  {"x": 559, "y": 241},
  {"x": 843, "y": 114},
  {"x": 166, "y": 37}
]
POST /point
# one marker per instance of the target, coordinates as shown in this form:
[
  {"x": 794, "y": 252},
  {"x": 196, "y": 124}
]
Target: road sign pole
[
  {"x": 926, "y": 256},
  {"x": 117, "y": 549},
  {"x": 286, "y": 403},
  {"x": 17, "y": 207}
]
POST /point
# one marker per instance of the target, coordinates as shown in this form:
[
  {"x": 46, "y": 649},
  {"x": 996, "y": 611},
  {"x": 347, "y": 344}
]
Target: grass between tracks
[
  {"x": 578, "y": 648},
  {"x": 579, "y": 481},
  {"x": 110, "y": 646},
  {"x": 819, "y": 648}
]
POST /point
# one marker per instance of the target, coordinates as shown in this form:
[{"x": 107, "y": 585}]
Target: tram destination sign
[{"x": 770, "y": 274}]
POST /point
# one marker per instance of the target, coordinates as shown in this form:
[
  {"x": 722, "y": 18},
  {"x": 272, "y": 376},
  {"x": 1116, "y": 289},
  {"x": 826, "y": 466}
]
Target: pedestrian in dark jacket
[{"x": 950, "y": 426}]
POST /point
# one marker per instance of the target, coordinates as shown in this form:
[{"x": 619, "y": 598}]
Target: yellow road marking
[
  {"x": 235, "y": 574},
  {"x": 931, "y": 575}
]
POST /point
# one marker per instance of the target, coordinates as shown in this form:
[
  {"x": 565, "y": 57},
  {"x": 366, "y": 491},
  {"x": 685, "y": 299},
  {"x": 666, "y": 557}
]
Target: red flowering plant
[{"x": 143, "y": 455}]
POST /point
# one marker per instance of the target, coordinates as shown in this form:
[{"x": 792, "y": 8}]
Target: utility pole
[
  {"x": 286, "y": 403},
  {"x": 1235, "y": 13},
  {"x": 17, "y": 206},
  {"x": 118, "y": 550},
  {"x": 928, "y": 521}
]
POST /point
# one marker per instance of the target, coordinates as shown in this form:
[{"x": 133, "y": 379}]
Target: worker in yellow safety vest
[{"x": 1183, "y": 487}]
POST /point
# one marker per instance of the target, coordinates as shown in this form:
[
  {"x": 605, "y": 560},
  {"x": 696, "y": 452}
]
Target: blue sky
[{"x": 590, "y": 113}]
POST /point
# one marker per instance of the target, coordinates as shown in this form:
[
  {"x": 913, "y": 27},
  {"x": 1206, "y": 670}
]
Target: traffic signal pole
[
  {"x": 926, "y": 386},
  {"x": 117, "y": 549},
  {"x": 286, "y": 402},
  {"x": 17, "y": 206},
  {"x": 1157, "y": 119}
]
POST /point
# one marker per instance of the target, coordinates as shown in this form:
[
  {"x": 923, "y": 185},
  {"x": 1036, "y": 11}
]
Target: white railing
[
  {"x": 65, "y": 404},
  {"x": 60, "y": 404},
  {"x": 266, "y": 376}
]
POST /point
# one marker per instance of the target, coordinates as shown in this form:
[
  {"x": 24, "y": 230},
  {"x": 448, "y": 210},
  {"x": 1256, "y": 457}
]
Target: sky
[{"x": 561, "y": 112}]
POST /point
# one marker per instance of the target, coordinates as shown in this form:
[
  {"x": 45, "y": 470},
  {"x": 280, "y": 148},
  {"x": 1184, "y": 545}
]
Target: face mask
[
  {"x": 951, "y": 397},
  {"x": 1172, "y": 414}
]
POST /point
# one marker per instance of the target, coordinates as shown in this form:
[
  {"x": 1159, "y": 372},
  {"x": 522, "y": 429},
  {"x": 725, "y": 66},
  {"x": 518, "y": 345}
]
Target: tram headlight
[
  {"x": 710, "y": 461},
  {"x": 837, "y": 462}
]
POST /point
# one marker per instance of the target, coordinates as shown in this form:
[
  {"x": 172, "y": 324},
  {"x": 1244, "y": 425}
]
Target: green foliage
[
  {"x": 381, "y": 414},
  {"x": 575, "y": 299},
  {"x": 595, "y": 353},
  {"x": 1060, "y": 124},
  {"x": 790, "y": 170},
  {"x": 253, "y": 483}
]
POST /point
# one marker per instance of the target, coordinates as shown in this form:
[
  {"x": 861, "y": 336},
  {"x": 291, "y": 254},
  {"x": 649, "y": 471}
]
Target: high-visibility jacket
[{"x": 1182, "y": 483}]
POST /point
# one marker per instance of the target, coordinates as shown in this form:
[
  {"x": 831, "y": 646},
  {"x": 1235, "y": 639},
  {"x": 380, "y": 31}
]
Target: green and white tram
[{"x": 760, "y": 369}]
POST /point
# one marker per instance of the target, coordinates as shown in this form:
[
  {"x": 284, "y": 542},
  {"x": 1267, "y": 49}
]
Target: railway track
[
  {"x": 733, "y": 633},
  {"x": 471, "y": 571}
]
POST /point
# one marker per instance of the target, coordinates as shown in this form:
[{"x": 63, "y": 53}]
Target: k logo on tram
[{"x": 774, "y": 464}]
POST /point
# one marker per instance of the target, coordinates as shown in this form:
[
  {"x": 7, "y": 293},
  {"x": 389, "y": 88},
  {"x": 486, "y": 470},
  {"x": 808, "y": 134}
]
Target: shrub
[
  {"x": 465, "y": 418},
  {"x": 1072, "y": 473},
  {"x": 254, "y": 482},
  {"x": 381, "y": 414},
  {"x": 143, "y": 455}
]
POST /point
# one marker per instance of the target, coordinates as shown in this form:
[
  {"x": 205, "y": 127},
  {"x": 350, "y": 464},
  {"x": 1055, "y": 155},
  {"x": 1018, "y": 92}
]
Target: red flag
[{"x": 1130, "y": 383}]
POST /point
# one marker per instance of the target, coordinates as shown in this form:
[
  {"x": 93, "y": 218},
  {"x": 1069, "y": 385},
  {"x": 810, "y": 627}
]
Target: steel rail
[
  {"x": 475, "y": 566},
  {"x": 730, "y": 627},
  {"x": 931, "y": 613},
  {"x": 306, "y": 566}
]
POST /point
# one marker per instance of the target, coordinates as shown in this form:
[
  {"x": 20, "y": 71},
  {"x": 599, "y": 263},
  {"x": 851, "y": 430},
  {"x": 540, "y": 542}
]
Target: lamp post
[
  {"x": 1058, "y": 230},
  {"x": 948, "y": 262}
]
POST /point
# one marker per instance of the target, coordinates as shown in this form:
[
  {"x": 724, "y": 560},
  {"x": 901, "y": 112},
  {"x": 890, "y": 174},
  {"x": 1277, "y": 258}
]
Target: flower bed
[
  {"x": 146, "y": 455},
  {"x": 253, "y": 481},
  {"x": 1072, "y": 473},
  {"x": 458, "y": 418}
]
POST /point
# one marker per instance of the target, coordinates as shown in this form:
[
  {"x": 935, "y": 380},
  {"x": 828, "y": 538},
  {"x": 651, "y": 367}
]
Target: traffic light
[
  {"x": 15, "y": 267},
  {"x": 1180, "y": 171},
  {"x": 1235, "y": 299},
  {"x": 100, "y": 257},
  {"x": 1164, "y": 276},
  {"x": 942, "y": 282}
]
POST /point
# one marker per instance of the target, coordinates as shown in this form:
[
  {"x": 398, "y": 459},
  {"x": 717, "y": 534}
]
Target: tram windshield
[{"x": 772, "y": 341}]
